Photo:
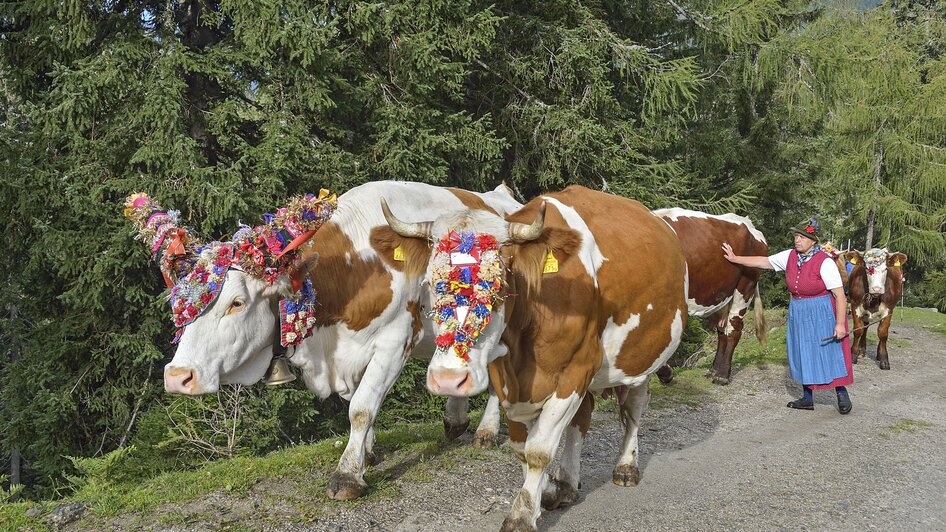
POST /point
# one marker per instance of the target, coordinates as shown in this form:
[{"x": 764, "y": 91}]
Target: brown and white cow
[
  {"x": 369, "y": 318},
  {"x": 608, "y": 314},
  {"x": 719, "y": 290},
  {"x": 874, "y": 289}
]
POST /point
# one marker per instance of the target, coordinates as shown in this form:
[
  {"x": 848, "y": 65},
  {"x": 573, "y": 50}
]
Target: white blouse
[{"x": 829, "y": 270}]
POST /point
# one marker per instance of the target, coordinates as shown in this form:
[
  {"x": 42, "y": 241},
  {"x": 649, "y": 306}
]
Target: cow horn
[
  {"x": 519, "y": 232},
  {"x": 406, "y": 229}
]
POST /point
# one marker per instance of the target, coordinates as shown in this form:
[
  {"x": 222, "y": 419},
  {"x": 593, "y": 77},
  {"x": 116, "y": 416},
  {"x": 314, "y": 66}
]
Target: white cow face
[
  {"x": 876, "y": 262},
  {"x": 458, "y": 368},
  {"x": 232, "y": 340}
]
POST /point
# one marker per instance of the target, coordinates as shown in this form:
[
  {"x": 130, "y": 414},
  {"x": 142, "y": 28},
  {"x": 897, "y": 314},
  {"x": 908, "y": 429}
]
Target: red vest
[{"x": 806, "y": 281}]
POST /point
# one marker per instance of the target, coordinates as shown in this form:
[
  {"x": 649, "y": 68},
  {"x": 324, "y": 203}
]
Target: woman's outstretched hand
[{"x": 728, "y": 253}]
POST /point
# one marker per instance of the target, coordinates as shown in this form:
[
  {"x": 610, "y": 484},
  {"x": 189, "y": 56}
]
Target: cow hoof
[
  {"x": 626, "y": 475},
  {"x": 720, "y": 380},
  {"x": 452, "y": 431},
  {"x": 484, "y": 439},
  {"x": 370, "y": 459},
  {"x": 853, "y": 359},
  {"x": 562, "y": 493},
  {"x": 518, "y": 524},
  {"x": 884, "y": 364},
  {"x": 345, "y": 487}
]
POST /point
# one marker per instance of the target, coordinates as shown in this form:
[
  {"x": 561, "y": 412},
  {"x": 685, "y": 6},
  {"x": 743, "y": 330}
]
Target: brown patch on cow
[
  {"x": 416, "y": 251},
  {"x": 471, "y": 201},
  {"x": 413, "y": 307},
  {"x": 517, "y": 433},
  {"x": 350, "y": 290}
]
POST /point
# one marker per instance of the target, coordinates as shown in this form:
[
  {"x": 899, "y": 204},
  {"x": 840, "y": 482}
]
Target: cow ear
[
  {"x": 854, "y": 257},
  {"x": 282, "y": 287},
  {"x": 896, "y": 259},
  {"x": 308, "y": 263},
  {"x": 404, "y": 254},
  {"x": 545, "y": 255}
]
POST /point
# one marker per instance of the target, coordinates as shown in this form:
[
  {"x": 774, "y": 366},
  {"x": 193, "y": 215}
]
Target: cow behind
[
  {"x": 595, "y": 298},
  {"x": 369, "y": 318},
  {"x": 719, "y": 290},
  {"x": 874, "y": 289}
]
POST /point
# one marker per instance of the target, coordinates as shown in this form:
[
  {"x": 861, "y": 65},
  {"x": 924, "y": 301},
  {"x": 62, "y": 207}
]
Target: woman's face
[{"x": 803, "y": 243}]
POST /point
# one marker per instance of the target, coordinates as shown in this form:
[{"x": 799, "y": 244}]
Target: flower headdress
[
  {"x": 160, "y": 230},
  {"x": 874, "y": 258},
  {"x": 467, "y": 276},
  {"x": 265, "y": 251}
]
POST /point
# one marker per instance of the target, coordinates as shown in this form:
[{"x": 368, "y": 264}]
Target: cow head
[
  {"x": 231, "y": 299},
  {"x": 876, "y": 264},
  {"x": 467, "y": 275}
]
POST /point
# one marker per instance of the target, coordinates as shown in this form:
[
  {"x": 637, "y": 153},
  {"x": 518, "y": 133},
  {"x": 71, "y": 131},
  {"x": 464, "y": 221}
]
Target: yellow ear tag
[
  {"x": 399, "y": 254},
  {"x": 551, "y": 263},
  {"x": 854, "y": 260},
  {"x": 897, "y": 262}
]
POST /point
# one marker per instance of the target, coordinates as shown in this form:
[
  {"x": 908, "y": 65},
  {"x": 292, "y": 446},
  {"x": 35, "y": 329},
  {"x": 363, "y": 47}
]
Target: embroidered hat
[{"x": 809, "y": 228}]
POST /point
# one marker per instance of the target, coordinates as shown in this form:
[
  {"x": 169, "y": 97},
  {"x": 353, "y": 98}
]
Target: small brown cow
[
  {"x": 594, "y": 297},
  {"x": 874, "y": 288},
  {"x": 719, "y": 290}
]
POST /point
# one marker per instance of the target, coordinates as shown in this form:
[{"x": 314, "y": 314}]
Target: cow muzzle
[
  {"x": 455, "y": 382},
  {"x": 182, "y": 381}
]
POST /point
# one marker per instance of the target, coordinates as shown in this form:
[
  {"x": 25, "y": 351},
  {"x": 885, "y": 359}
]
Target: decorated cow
[
  {"x": 874, "y": 287},
  {"x": 326, "y": 277},
  {"x": 579, "y": 292}
]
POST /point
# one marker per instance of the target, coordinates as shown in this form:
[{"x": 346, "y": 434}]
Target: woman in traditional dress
[{"x": 819, "y": 351}]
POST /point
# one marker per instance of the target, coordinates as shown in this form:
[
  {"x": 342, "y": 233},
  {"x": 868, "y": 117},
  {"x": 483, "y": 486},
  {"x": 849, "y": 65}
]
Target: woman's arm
[
  {"x": 753, "y": 262},
  {"x": 840, "y": 318}
]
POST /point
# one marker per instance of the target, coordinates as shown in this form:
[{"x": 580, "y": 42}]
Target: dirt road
[
  {"x": 740, "y": 460},
  {"x": 744, "y": 461}
]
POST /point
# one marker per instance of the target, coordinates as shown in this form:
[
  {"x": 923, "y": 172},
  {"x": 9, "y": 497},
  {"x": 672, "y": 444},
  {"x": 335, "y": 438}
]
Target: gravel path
[
  {"x": 744, "y": 462},
  {"x": 741, "y": 461}
]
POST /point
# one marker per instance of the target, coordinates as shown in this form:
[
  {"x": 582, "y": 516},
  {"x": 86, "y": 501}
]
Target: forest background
[{"x": 773, "y": 109}]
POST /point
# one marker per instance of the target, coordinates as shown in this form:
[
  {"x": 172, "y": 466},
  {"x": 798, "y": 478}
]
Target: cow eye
[{"x": 235, "y": 306}]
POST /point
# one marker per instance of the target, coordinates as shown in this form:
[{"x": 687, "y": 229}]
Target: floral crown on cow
[{"x": 195, "y": 272}]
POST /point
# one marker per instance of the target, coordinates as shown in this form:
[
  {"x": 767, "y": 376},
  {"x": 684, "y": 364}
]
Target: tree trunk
[
  {"x": 878, "y": 165},
  {"x": 15, "y": 452}
]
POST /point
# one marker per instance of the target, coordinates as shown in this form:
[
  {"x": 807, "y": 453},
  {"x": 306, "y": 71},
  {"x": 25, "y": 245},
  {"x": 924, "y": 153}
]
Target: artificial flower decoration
[
  {"x": 812, "y": 226},
  {"x": 467, "y": 272},
  {"x": 874, "y": 258},
  {"x": 159, "y": 228},
  {"x": 266, "y": 252}
]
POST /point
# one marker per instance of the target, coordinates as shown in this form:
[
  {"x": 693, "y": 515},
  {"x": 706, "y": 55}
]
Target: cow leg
[
  {"x": 541, "y": 442},
  {"x": 883, "y": 331},
  {"x": 456, "y": 417},
  {"x": 732, "y": 331},
  {"x": 347, "y": 482},
  {"x": 717, "y": 320},
  {"x": 857, "y": 348},
  {"x": 563, "y": 487},
  {"x": 626, "y": 472},
  {"x": 488, "y": 428}
]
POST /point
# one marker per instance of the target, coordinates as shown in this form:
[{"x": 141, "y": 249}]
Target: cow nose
[
  {"x": 180, "y": 381},
  {"x": 456, "y": 382},
  {"x": 877, "y": 290}
]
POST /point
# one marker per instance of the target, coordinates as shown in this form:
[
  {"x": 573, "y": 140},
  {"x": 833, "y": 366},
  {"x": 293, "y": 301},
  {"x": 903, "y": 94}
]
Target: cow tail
[{"x": 761, "y": 329}]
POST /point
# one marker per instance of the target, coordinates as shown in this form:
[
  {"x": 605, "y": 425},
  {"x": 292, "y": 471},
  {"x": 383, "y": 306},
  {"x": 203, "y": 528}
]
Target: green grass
[
  {"x": 927, "y": 319},
  {"x": 105, "y": 498},
  {"x": 689, "y": 387},
  {"x": 908, "y": 425}
]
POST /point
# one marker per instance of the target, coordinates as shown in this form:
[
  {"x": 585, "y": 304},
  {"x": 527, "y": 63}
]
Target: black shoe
[
  {"x": 802, "y": 404},
  {"x": 844, "y": 403}
]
